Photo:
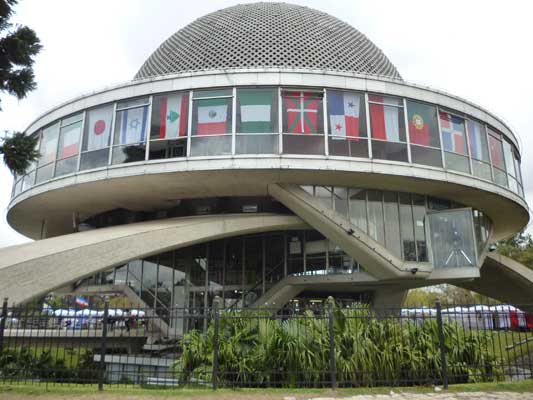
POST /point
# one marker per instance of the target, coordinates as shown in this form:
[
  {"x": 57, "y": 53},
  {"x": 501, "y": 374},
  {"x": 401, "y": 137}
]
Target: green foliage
[
  {"x": 519, "y": 248},
  {"x": 18, "y": 47},
  {"x": 19, "y": 152},
  {"x": 258, "y": 350}
]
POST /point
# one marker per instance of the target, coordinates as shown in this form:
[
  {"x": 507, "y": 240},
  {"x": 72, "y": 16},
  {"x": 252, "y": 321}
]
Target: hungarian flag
[
  {"x": 133, "y": 125},
  {"x": 343, "y": 110},
  {"x": 70, "y": 137},
  {"x": 256, "y": 111},
  {"x": 385, "y": 120},
  {"x": 453, "y": 134},
  {"x": 477, "y": 141},
  {"x": 173, "y": 116},
  {"x": 212, "y": 116},
  {"x": 419, "y": 117},
  {"x": 99, "y": 128},
  {"x": 302, "y": 111},
  {"x": 48, "y": 145}
]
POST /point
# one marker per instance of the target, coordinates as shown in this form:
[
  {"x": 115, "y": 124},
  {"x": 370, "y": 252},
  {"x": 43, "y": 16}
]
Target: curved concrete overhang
[
  {"x": 34, "y": 269},
  {"x": 274, "y": 77},
  {"x": 155, "y": 185}
]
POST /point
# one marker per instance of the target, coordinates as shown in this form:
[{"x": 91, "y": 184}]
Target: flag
[
  {"x": 133, "y": 125},
  {"x": 212, "y": 116},
  {"x": 48, "y": 145},
  {"x": 81, "y": 301},
  {"x": 99, "y": 128},
  {"x": 385, "y": 120},
  {"x": 343, "y": 110},
  {"x": 496, "y": 152},
  {"x": 70, "y": 137},
  {"x": 477, "y": 141},
  {"x": 419, "y": 116},
  {"x": 302, "y": 111},
  {"x": 173, "y": 116},
  {"x": 256, "y": 111},
  {"x": 453, "y": 134}
]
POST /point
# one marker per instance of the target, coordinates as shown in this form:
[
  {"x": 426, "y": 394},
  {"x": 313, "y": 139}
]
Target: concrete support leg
[{"x": 388, "y": 301}]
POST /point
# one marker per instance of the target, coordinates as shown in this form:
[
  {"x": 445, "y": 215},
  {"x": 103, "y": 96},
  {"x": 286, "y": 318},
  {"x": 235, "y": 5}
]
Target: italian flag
[
  {"x": 256, "y": 112},
  {"x": 70, "y": 139},
  {"x": 212, "y": 116},
  {"x": 173, "y": 116}
]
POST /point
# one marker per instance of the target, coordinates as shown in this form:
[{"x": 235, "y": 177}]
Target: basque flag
[
  {"x": 302, "y": 112},
  {"x": 453, "y": 135},
  {"x": 173, "y": 116},
  {"x": 343, "y": 114},
  {"x": 385, "y": 120},
  {"x": 212, "y": 117}
]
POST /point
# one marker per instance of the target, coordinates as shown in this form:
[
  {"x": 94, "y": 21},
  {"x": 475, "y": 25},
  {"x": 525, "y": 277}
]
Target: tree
[
  {"x": 519, "y": 248},
  {"x": 18, "y": 47}
]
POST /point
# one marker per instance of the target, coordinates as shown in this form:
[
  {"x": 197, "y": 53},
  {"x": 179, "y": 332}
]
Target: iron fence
[{"x": 317, "y": 346}]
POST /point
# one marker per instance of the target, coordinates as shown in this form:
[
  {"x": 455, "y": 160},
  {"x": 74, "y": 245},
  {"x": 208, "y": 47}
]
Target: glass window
[
  {"x": 48, "y": 144},
  {"x": 340, "y": 201},
  {"x": 169, "y": 116},
  {"x": 347, "y": 124},
  {"x": 168, "y": 149},
  {"x": 98, "y": 128},
  {"x": 324, "y": 195},
  {"x": 452, "y": 238},
  {"x": 479, "y": 151},
  {"x": 454, "y": 142},
  {"x": 302, "y": 112},
  {"x": 130, "y": 153},
  {"x": 392, "y": 223},
  {"x": 257, "y": 110},
  {"x": 497, "y": 157},
  {"x": 388, "y": 128},
  {"x": 69, "y": 139},
  {"x": 508, "y": 156},
  {"x": 211, "y": 112},
  {"x": 424, "y": 132},
  {"x": 358, "y": 208},
  {"x": 419, "y": 213},
  {"x": 131, "y": 126},
  {"x": 375, "y": 216},
  {"x": 407, "y": 228}
]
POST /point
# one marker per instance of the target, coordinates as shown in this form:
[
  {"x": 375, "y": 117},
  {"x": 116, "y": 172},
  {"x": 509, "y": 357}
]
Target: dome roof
[{"x": 267, "y": 35}]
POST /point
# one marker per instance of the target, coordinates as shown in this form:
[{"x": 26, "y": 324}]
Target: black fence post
[
  {"x": 216, "y": 306},
  {"x": 332, "y": 363},
  {"x": 3, "y": 320},
  {"x": 444, "y": 369},
  {"x": 103, "y": 347}
]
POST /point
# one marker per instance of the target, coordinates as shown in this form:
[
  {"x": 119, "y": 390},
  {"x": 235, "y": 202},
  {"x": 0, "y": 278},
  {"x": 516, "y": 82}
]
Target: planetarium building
[{"x": 267, "y": 153}]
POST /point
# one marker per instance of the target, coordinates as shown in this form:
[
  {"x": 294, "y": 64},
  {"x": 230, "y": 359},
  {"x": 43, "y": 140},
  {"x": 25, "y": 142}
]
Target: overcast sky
[{"x": 479, "y": 50}]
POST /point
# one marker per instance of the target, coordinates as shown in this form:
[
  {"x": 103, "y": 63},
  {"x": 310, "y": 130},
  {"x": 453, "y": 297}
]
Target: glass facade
[{"x": 273, "y": 121}]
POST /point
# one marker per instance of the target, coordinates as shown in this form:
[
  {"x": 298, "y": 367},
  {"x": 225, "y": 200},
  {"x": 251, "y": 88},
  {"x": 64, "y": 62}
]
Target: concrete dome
[{"x": 267, "y": 35}]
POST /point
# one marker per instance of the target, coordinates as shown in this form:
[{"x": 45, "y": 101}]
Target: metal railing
[{"x": 321, "y": 345}]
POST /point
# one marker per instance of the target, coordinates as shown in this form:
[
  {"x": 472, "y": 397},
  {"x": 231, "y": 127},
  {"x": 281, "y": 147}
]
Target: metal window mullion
[
  {"x": 407, "y": 132},
  {"x": 304, "y": 247},
  {"x": 80, "y": 141},
  {"x": 134, "y": 106},
  {"x": 189, "y": 125},
  {"x": 467, "y": 145},
  {"x": 368, "y": 130},
  {"x": 325, "y": 118},
  {"x": 149, "y": 128},
  {"x": 233, "y": 119},
  {"x": 490, "y": 152},
  {"x": 112, "y": 134},
  {"x": 383, "y": 218},
  {"x": 57, "y": 151},
  {"x": 280, "y": 121},
  {"x": 441, "y": 141},
  {"x": 228, "y": 96},
  {"x": 414, "y": 225}
]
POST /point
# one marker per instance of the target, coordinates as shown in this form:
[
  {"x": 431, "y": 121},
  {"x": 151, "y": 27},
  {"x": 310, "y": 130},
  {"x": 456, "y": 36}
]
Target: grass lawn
[{"x": 53, "y": 391}]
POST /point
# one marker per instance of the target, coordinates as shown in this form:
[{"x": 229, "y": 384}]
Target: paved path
[{"x": 431, "y": 396}]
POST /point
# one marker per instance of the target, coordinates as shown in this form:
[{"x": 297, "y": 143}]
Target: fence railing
[{"x": 319, "y": 346}]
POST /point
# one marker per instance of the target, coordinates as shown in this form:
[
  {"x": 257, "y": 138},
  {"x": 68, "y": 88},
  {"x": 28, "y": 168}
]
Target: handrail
[
  {"x": 281, "y": 263},
  {"x": 149, "y": 291}
]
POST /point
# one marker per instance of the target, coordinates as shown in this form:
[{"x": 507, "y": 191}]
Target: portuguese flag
[
  {"x": 256, "y": 112},
  {"x": 419, "y": 119}
]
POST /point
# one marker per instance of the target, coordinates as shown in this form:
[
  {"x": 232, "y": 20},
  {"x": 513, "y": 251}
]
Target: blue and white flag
[{"x": 133, "y": 125}]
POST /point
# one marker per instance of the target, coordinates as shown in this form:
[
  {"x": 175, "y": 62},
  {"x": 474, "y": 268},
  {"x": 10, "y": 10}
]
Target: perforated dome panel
[{"x": 267, "y": 35}]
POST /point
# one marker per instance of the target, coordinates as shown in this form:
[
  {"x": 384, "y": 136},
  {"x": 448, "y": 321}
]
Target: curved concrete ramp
[
  {"x": 504, "y": 279},
  {"x": 34, "y": 269}
]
